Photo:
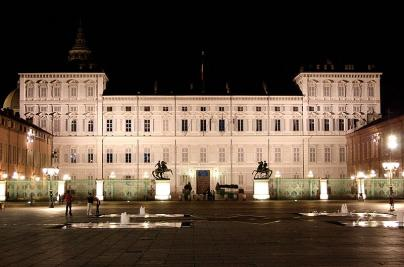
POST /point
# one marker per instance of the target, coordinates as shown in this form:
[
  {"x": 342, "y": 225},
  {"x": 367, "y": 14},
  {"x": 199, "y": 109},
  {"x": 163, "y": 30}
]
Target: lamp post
[
  {"x": 391, "y": 166},
  {"x": 50, "y": 172}
]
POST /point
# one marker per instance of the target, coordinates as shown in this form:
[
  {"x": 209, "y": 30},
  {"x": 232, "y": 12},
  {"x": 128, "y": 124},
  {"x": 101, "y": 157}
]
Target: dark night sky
[{"x": 245, "y": 44}]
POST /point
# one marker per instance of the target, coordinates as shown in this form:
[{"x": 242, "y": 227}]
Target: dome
[{"x": 13, "y": 100}]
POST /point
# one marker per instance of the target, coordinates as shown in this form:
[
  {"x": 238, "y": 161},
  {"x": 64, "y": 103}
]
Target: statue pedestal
[
  {"x": 261, "y": 189},
  {"x": 162, "y": 190}
]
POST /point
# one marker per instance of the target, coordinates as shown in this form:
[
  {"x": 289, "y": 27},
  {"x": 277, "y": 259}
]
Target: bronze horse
[
  {"x": 267, "y": 171},
  {"x": 158, "y": 173}
]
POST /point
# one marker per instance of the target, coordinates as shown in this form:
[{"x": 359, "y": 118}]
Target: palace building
[{"x": 100, "y": 136}]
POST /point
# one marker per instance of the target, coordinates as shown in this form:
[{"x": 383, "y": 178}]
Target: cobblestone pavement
[{"x": 222, "y": 233}]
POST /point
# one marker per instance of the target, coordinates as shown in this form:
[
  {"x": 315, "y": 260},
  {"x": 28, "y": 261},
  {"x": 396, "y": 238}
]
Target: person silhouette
[
  {"x": 163, "y": 166},
  {"x": 259, "y": 168},
  {"x": 158, "y": 165},
  {"x": 264, "y": 166}
]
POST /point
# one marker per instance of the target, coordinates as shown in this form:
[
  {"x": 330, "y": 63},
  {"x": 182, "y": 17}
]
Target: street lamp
[
  {"x": 50, "y": 172},
  {"x": 391, "y": 166}
]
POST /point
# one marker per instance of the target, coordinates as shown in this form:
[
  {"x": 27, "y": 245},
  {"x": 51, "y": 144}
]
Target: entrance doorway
[{"x": 202, "y": 181}]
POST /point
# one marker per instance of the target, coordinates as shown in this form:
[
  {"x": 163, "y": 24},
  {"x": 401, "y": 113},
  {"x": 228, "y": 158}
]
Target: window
[
  {"x": 202, "y": 154},
  {"x": 203, "y": 125},
  {"x": 184, "y": 154},
  {"x": 43, "y": 90},
  {"x": 342, "y": 108},
  {"x": 128, "y": 155},
  {"x": 312, "y": 154},
  {"x": 89, "y": 109},
  {"x": 258, "y": 125},
  {"x": 240, "y": 109},
  {"x": 90, "y": 91},
  {"x": 147, "y": 108},
  {"x": 56, "y": 90},
  {"x": 73, "y": 109},
  {"x": 147, "y": 125},
  {"x": 73, "y": 126},
  {"x": 240, "y": 154},
  {"x": 277, "y": 108},
  {"x": 296, "y": 125},
  {"x": 90, "y": 155},
  {"x": 184, "y": 125},
  {"x": 73, "y": 155},
  {"x": 296, "y": 154},
  {"x": 278, "y": 154},
  {"x": 258, "y": 109},
  {"x": 110, "y": 157},
  {"x": 327, "y": 154},
  {"x": 30, "y": 109},
  {"x": 109, "y": 109},
  {"x": 342, "y": 154},
  {"x": 128, "y": 125},
  {"x": 146, "y": 155},
  {"x": 311, "y": 108},
  {"x": 341, "y": 124},
  {"x": 312, "y": 89},
  {"x": 341, "y": 89},
  {"x": 356, "y": 90},
  {"x": 166, "y": 154},
  {"x": 221, "y": 108},
  {"x": 296, "y": 109},
  {"x": 184, "y": 109},
  {"x": 240, "y": 125},
  {"x": 327, "y": 89},
  {"x": 326, "y": 125},
  {"x": 90, "y": 126},
  {"x": 42, "y": 123},
  {"x": 56, "y": 125},
  {"x": 165, "y": 125},
  {"x": 311, "y": 125},
  {"x": 221, "y": 125},
  {"x": 30, "y": 90},
  {"x": 356, "y": 108},
  {"x": 73, "y": 91},
  {"x": 203, "y": 108},
  {"x": 371, "y": 89},
  {"x": 258, "y": 153},
  {"x": 277, "y": 125},
  {"x": 165, "y": 108},
  {"x": 222, "y": 154},
  {"x": 128, "y": 108},
  {"x": 109, "y": 125}
]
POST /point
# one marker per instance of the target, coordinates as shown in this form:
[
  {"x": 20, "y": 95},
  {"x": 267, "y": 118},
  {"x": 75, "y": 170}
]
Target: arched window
[
  {"x": 327, "y": 89},
  {"x": 341, "y": 89},
  {"x": 371, "y": 89},
  {"x": 356, "y": 89},
  {"x": 30, "y": 89},
  {"x": 312, "y": 89}
]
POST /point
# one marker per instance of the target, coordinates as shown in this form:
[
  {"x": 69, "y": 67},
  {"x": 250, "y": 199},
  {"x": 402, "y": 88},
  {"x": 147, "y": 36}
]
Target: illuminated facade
[
  {"x": 368, "y": 147},
  {"x": 24, "y": 148},
  {"x": 122, "y": 137}
]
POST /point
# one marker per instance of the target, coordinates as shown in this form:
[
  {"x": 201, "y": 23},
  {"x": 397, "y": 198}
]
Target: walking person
[
  {"x": 68, "y": 200},
  {"x": 90, "y": 200},
  {"x": 98, "y": 203}
]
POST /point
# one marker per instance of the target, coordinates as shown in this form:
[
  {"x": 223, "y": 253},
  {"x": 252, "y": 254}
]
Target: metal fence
[
  {"x": 113, "y": 189},
  {"x": 142, "y": 189}
]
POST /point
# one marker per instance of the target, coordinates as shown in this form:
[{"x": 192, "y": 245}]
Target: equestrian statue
[
  {"x": 160, "y": 170},
  {"x": 262, "y": 171}
]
